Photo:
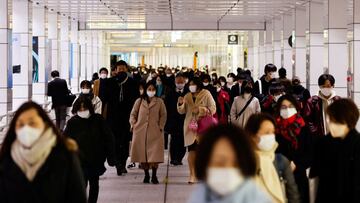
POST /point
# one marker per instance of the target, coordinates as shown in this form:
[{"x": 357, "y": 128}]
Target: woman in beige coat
[
  {"x": 240, "y": 103},
  {"x": 147, "y": 120},
  {"x": 196, "y": 104}
]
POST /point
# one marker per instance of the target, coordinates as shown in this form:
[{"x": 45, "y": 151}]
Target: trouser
[
  {"x": 166, "y": 140},
  {"x": 60, "y": 116},
  {"x": 122, "y": 141},
  {"x": 93, "y": 181},
  {"x": 303, "y": 184},
  {"x": 177, "y": 149}
]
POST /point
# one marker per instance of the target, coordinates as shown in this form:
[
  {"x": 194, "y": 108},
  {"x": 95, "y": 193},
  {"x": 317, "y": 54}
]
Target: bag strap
[
  {"x": 260, "y": 86},
  {"x": 244, "y": 108}
]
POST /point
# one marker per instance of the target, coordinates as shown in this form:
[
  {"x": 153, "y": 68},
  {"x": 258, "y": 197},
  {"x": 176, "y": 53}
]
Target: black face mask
[
  {"x": 122, "y": 76},
  {"x": 248, "y": 89}
]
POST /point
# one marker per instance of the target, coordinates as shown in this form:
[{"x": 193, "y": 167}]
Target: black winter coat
[
  {"x": 95, "y": 141},
  {"x": 118, "y": 111},
  {"x": 58, "y": 90},
  {"x": 59, "y": 180},
  {"x": 337, "y": 165},
  {"x": 175, "y": 121}
]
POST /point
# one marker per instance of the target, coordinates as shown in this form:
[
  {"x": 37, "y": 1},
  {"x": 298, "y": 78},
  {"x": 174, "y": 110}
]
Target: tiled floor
[{"x": 130, "y": 189}]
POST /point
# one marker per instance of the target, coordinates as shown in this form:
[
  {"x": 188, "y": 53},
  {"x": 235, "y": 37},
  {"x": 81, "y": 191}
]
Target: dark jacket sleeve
[
  {"x": 109, "y": 143},
  {"x": 75, "y": 192}
]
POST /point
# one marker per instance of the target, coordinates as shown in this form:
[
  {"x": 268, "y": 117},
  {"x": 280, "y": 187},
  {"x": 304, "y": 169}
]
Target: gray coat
[{"x": 282, "y": 165}]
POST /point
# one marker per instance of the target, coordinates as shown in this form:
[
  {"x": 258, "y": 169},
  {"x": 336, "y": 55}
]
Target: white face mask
[
  {"x": 326, "y": 91},
  {"x": 222, "y": 84},
  {"x": 103, "y": 76},
  {"x": 287, "y": 113},
  {"x": 151, "y": 93},
  {"x": 277, "y": 97},
  {"x": 84, "y": 114},
  {"x": 168, "y": 75},
  {"x": 192, "y": 88},
  {"x": 230, "y": 80},
  {"x": 338, "y": 130},
  {"x": 85, "y": 91},
  {"x": 27, "y": 135},
  {"x": 205, "y": 84},
  {"x": 158, "y": 83},
  {"x": 267, "y": 142},
  {"x": 224, "y": 181},
  {"x": 141, "y": 92},
  {"x": 180, "y": 86},
  {"x": 218, "y": 89}
]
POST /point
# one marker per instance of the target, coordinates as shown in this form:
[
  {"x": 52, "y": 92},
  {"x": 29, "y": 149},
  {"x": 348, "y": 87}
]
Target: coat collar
[{"x": 152, "y": 103}]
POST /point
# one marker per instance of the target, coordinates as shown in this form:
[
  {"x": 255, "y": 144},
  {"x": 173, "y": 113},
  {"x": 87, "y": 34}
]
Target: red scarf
[{"x": 290, "y": 128}]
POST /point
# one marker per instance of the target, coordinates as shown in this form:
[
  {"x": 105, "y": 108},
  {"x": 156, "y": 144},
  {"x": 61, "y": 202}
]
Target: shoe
[
  {"x": 118, "y": 171},
  {"x": 146, "y": 179},
  {"x": 132, "y": 165},
  {"x": 154, "y": 180},
  {"x": 123, "y": 170}
]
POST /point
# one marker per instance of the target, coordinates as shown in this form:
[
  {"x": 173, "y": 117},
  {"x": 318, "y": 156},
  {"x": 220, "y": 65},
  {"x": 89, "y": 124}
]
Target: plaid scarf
[{"x": 290, "y": 128}]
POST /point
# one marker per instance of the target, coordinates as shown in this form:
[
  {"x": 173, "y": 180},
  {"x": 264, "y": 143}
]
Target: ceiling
[{"x": 172, "y": 14}]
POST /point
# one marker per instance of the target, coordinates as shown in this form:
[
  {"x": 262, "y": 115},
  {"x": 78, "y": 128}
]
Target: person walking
[
  {"x": 120, "y": 97},
  {"x": 196, "y": 104},
  {"x": 58, "y": 91},
  {"x": 37, "y": 163},
  {"x": 222, "y": 103},
  {"x": 95, "y": 140},
  {"x": 87, "y": 91},
  {"x": 174, "y": 120},
  {"x": 147, "y": 120},
  {"x": 244, "y": 106}
]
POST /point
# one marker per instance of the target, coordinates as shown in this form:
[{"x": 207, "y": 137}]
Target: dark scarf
[{"x": 290, "y": 128}]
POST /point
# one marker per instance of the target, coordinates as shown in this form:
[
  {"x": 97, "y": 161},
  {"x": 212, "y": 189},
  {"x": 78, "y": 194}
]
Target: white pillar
[
  {"x": 95, "y": 53},
  {"x": 22, "y": 90},
  {"x": 89, "y": 56},
  {"x": 38, "y": 25},
  {"x": 356, "y": 52},
  {"x": 65, "y": 48},
  {"x": 83, "y": 55},
  {"x": 256, "y": 67},
  {"x": 277, "y": 41},
  {"x": 287, "y": 63},
  {"x": 262, "y": 58},
  {"x": 53, "y": 34},
  {"x": 5, "y": 58},
  {"x": 74, "y": 57},
  {"x": 315, "y": 45},
  {"x": 269, "y": 43},
  {"x": 250, "y": 57},
  {"x": 337, "y": 44},
  {"x": 300, "y": 44}
]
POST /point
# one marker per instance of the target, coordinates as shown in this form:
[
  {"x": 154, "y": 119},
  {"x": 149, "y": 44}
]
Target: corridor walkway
[{"x": 130, "y": 189}]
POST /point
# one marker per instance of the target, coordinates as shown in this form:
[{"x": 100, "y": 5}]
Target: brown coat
[
  {"x": 148, "y": 121},
  {"x": 96, "y": 87},
  {"x": 205, "y": 102}
]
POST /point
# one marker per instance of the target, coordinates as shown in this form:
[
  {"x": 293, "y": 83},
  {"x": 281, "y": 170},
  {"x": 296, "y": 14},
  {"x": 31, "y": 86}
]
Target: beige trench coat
[
  {"x": 238, "y": 104},
  {"x": 205, "y": 102},
  {"x": 148, "y": 121}
]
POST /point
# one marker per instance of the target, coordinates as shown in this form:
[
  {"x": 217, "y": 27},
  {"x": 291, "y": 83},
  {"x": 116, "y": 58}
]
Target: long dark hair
[
  {"x": 145, "y": 96},
  {"x": 11, "y": 134}
]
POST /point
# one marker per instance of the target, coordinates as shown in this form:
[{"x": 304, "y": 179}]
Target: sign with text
[{"x": 233, "y": 39}]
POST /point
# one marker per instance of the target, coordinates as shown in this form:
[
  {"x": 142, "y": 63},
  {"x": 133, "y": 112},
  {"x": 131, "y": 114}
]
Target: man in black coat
[
  {"x": 58, "y": 91},
  {"x": 175, "y": 121},
  {"x": 236, "y": 90},
  {"x": 121, "y": 94}
]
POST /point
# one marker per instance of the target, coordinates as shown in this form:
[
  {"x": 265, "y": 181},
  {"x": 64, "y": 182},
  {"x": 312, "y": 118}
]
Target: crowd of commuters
[{"x": 248, "y": 140}]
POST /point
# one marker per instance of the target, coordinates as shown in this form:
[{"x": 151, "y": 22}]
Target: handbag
[
  {"x": 205, "y": 123},
  {"x": 193, "y": 125},
  {"x": 69, "y": 99}
]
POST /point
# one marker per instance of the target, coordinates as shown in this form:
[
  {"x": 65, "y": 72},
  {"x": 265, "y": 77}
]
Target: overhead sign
[{"x": 233, "y": 39}]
